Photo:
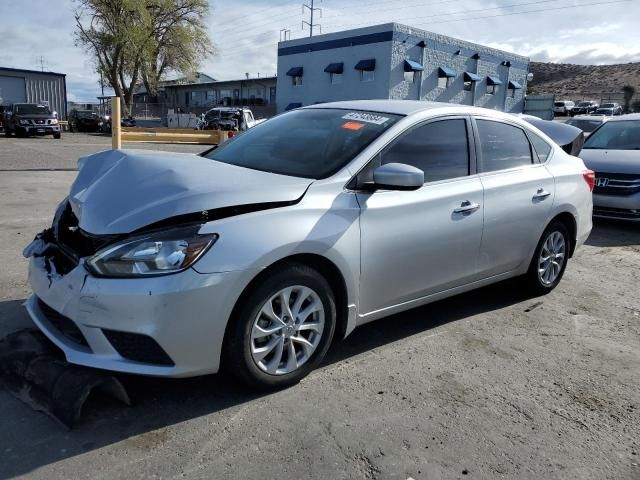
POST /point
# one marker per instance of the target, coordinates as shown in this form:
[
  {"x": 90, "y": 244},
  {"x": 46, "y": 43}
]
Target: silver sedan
[{"x": 255, "y": 255}]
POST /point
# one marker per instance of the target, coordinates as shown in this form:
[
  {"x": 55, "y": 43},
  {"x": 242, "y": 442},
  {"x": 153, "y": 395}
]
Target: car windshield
[
  {"x": 584, "y": 104},
  {"x": 559, "y": 104},
  {"x": 29, "y": 109},
  {"x": 608, "y": 105},
  {"x": 584, "y": 125},
  {"x": 309, "y": 143},
  {"x": 623, "y": 135},
  {"x": 86, "y": 114}
]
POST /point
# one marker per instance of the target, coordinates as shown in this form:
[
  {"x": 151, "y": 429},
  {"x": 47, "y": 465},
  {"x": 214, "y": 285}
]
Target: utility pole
[{"x": 310, "y": 23}]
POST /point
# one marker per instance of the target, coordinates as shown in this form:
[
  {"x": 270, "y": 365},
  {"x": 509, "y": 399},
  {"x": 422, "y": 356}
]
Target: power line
[
  {"x": 489, "y": 16},
  {"x": 461, "y": 12}
]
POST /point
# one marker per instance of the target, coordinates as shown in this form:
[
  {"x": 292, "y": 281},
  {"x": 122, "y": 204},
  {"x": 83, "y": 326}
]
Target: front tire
[
  {"x": 549, "y": 259},
  {"x": 57, "y": 135},
  {"x": 282, "y": 328}
]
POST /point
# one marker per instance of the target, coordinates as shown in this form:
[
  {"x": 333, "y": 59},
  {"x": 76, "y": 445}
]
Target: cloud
[{"x": 246, "y": 32}]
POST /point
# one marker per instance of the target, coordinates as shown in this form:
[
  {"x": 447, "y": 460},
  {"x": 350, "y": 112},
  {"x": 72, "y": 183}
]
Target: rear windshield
[
  {"x": 623, "y": 135},
  {"x": 559, "y": 104},
  {"x": 309, "y": 143},
  {"x": 27, "y": 109},
  {"x": 608, "y": 105},
  {"x": 584, "y": 125}
]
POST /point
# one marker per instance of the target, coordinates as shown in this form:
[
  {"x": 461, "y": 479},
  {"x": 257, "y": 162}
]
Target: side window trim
[
  {"x": 533, "y": 147},
  {"x": 476, "y": 133}
]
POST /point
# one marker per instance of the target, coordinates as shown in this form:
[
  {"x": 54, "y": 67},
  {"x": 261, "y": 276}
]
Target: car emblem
[{"x": 602, "y": 182}]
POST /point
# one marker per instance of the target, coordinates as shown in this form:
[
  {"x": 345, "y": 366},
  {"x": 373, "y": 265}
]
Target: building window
[
  {"x": 336, "y": 78},
  {"x": 492, "y": 89},
  {"x": 410, "y": 76},
  {"x": 445, "y": 82},
  {"x": 296, "y": 80},
  {"x": 512, "y": 92},
  {"x": 468, "y": 86},
  {"x": 367, "y": 76}
]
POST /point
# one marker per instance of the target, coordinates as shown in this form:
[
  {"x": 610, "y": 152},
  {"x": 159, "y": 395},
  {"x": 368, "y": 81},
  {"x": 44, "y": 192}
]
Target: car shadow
[
  {"x": 614, "y": 233},
  {"x": 35, "y": 441}
]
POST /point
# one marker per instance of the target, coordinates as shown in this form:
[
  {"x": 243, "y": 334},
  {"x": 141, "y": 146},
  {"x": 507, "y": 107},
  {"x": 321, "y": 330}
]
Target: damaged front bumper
[{"x": 170, "y": 326}]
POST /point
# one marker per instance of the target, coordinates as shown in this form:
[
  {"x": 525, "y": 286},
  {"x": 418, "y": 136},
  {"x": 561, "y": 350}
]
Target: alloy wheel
[
  {"x": 552, "y": 258},
  {"x": 287, "y": 330}
]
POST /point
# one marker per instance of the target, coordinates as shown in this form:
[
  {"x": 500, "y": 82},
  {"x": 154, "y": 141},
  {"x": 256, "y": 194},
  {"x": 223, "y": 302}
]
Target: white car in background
[{"x": 563, "y": 107}]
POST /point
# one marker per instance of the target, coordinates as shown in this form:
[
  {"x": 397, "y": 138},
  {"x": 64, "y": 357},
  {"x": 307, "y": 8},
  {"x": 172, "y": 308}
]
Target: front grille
[
  {"x": 620, "y": 184},
  {"x": 64, "y": 325},
  {"x": 138, "y": 347},
  {"x": 621, "y": 213}
]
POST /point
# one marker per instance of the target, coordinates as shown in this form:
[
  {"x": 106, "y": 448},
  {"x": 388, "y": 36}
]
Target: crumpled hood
[
  {"x": 119, "y": 191},
  {"x": 611, "y": 161}
]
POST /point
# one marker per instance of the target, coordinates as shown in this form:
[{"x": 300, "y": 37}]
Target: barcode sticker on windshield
[{"x": 366, "y": 117}]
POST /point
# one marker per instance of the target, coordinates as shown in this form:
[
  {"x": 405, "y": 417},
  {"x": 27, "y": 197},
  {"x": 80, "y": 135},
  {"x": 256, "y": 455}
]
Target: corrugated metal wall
[{"x": 40, "y": 87}]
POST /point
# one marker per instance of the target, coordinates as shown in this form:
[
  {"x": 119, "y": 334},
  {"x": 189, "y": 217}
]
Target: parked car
[
  {"x": 584, "y": 108},
  {"x": 613, "y": 152},
  {"x": 563, "y": 107},
  {"x": 609, "y": 109},
  {"x": 83, "y": 121},
  {"x": 104, "y": 125},
  {"x": 254, "y": 255},
  {"x": 26, "y": 119},
  {"x": 587, "y": 123},
  {"x": 229, "y": 118}
]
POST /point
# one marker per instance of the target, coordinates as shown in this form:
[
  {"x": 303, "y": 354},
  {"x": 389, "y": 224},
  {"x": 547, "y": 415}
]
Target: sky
[{"x": 39, "y": 34}]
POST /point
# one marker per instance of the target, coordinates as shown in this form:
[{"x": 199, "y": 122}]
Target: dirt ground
[{"x": 488, "y": 384}]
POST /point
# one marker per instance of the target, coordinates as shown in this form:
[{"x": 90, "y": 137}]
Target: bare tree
[{"x": 629, "y": 92}]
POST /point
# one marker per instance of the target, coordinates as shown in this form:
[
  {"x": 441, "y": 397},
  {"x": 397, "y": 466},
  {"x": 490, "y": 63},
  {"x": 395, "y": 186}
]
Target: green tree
[
  {"x": 628, "y": 92},
  {"x": 178, "y": 40},
  {"x": 133, "y": 40}
]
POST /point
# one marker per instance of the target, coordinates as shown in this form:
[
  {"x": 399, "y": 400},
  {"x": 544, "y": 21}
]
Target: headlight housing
[
  {"x": 157, "y": 253},
  {"x": 53, "y": 121},
  {"x": 24, "y": 122}
]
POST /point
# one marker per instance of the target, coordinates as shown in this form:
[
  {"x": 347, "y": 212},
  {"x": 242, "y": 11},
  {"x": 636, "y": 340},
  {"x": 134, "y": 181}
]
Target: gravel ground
[{"x": 488, "y": 384}]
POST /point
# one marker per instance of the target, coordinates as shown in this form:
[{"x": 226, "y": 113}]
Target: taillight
[
  {"x": 230, "y": 134},
  {"x": 590, "y": 178}
]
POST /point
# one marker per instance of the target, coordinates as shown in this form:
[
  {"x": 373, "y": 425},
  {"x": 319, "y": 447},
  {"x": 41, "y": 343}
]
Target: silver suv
[{"x": 255, "y": 255}]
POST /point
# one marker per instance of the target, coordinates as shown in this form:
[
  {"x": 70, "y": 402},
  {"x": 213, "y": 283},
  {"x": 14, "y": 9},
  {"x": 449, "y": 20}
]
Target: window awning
[
  {"x": 291, "y": 106},
  {"x": 493, "y": 81},
  {"x": 514, "y": 85},
  {"x": 471, "y": 77},
  {"x": 411, "y": 66},
  {"x": 446, "y": 72},
  {"x": 295, "y": 72},
  {"x": 369, "y": 64},
  {"x": 334, "y": 68}
]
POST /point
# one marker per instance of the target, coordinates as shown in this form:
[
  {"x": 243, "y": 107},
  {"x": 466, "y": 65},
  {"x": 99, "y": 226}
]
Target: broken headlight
[{"x": 157, "y": 253}]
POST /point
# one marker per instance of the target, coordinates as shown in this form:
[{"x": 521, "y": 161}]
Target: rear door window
[
  {"x": 440, "y": 149},
  {"x": 503, "y": 146}
]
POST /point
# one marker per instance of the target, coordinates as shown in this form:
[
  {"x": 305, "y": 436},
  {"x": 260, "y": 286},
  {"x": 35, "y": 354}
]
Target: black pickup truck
[{"x": 25, "y": 119}]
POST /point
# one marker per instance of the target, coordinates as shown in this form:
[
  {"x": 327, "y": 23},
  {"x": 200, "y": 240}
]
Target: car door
[
  {"x": 518, "y": 195},
  {"x": 414, "y": 243}
]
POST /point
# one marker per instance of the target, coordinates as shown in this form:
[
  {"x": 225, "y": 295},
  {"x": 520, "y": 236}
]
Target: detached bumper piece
[{"x": 34, "y": 371}]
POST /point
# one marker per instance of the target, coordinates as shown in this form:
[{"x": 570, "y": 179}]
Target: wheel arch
[
  {"x": 569, "y": 221},
  {"x": 328, "y": 269}
]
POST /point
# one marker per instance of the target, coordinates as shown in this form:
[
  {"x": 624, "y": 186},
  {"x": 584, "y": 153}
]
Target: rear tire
[
  {"x": 305, "y": 327},
  {"x": 7, "y": 132},
  {"x": 549, "y": 259}
]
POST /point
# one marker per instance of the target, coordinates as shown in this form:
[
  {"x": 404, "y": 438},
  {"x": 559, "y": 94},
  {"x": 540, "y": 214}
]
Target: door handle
[
  {"x": 541, "y": 194},
  {"x": 467, "y": 207}
]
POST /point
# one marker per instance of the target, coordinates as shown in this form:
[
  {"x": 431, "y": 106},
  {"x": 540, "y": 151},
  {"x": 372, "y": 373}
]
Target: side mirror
[{"x": 398, "y": 176}]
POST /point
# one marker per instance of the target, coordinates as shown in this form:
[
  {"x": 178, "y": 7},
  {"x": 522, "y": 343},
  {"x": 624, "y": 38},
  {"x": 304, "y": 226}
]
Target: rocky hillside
[{"x": 584, "y": 82}]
